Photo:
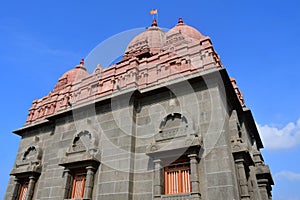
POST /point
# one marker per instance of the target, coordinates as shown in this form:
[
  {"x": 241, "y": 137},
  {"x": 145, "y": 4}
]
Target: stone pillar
[
  {"x": 88, "y": 188},
  {"x": 157, "y": 178},
  {"x": 242, "y": 179},
  {"x": 67, "y": 183},
  {"x": 251, "y": 192},
  {"x": 16, "y": 189},
  {"x": 194, "y": 175},
  {"x": 262, "y": 187},
  {"x": 30, "y": 190}
]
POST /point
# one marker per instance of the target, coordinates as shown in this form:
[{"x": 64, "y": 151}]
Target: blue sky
[{"x": 258, "y": 42}]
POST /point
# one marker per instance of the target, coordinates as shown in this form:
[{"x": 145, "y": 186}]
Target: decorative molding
[
  {"x": 176, "y": 133},
  {"x": 180, "y": 197},
  {"x": 30, "y": 161},
  {"x": 174, "y": 125},
  {"x": 83, "y": 149}
]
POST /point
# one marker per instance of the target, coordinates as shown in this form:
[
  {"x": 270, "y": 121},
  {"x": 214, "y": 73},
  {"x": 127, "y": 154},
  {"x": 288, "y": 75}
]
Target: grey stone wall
[{"x": 125, "y": 127}]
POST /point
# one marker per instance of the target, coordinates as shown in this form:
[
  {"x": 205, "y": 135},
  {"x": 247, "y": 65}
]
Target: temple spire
[
  {"x": 81, "y": 64},
  {"x": 82, "y": 61},
  {"x": 154, "y": 23},
  {"x": 180, "y": 21}
]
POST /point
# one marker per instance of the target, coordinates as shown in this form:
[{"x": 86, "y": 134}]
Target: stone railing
[{"x": 176, "y": 197}]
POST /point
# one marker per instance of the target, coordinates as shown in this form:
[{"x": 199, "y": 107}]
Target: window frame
[
  {"x": 164, "y": 157},
  {"x": 89, "y": 168},
  {"x": 175, "y": 167},
  {"x": 23, "y": 190},
  {"x": 77, "y": 175}
]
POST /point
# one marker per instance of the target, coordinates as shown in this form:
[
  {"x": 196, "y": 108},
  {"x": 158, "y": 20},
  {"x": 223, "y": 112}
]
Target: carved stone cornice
[{"x": 263, "y": 172}]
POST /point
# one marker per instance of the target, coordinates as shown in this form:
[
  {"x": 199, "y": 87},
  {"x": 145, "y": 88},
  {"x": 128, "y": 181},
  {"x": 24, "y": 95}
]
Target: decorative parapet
[
  {"x": 238, "y": 92},
  {"x": 176, "y": 59}
]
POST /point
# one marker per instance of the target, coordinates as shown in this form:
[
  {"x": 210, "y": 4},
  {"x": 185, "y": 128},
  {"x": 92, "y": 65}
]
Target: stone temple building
[{"x": 164, "y": 122}]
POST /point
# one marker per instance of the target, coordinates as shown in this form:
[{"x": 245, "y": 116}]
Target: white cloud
[
  {"x": 275, "y": 138},
  {"x": 291, "y": 176}
]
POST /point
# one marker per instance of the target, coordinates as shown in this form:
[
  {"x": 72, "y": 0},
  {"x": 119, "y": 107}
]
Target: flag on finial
[{"x": 153, "y": 12}]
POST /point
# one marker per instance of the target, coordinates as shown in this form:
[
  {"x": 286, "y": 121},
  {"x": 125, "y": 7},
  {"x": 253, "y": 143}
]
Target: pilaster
[
  {"x": 158, "y": 174},
  {"x": 16, "y": 189},
  {"x": 32, "y": 181},
  {"x": 242, "y": 178},
  {"x": 67, "y": 183},
  {"x": 88, "y": 189},
  {"x": 194, "y": 175}
]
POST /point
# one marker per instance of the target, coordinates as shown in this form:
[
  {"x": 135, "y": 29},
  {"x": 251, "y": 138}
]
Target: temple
[{"x": 166, "y": 122}]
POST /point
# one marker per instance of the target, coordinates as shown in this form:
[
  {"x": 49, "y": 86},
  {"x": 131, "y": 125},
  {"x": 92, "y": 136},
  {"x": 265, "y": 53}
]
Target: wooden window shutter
[
  {"x": 78, "y": 185},
  {"x": 24, "y": 190},
  {"x": 177, "y": 178}
]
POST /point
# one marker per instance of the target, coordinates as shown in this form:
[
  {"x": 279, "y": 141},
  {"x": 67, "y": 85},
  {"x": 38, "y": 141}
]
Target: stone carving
[
  {"x": 84, "y": 141},
  {"x": 174, "y": 38},
  {"x": 138, "y": 45},
  {"x": 30, "y": 153},
  {"x": 174, "y": 125},
  {"x": 30, "y": 160},
  {"x": 78, "y": 145},
  {"x": 176, "y": 131},
  {"x": 83, "y": 149}
]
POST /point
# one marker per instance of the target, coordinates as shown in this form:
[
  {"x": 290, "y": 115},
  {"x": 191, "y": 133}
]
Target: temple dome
[
  {"x": 186, "y": 30},
  {"x": 75, "y": 74},
  {"x": 150, "y": 41}
]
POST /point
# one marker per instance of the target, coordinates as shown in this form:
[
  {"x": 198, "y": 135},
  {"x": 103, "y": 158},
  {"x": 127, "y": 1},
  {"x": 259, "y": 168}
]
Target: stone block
[
  {"x": 121, "y": 186},
  {"x": 219, "y": 179},
  {"x": 143, "y": 176},
  {"x": 217, "y": 165},
  {"x": 107, "y": 188},
  {"x": 45, "y": 192},
  {"x": 226, "y": 192},
  {"x": 108, "y": 125},
  {"x": 143, "y": 186},
  {"x": 143, "y": 196},
  {"x": 113, "y": 196},
  {"x": 216, "y": 153}
]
